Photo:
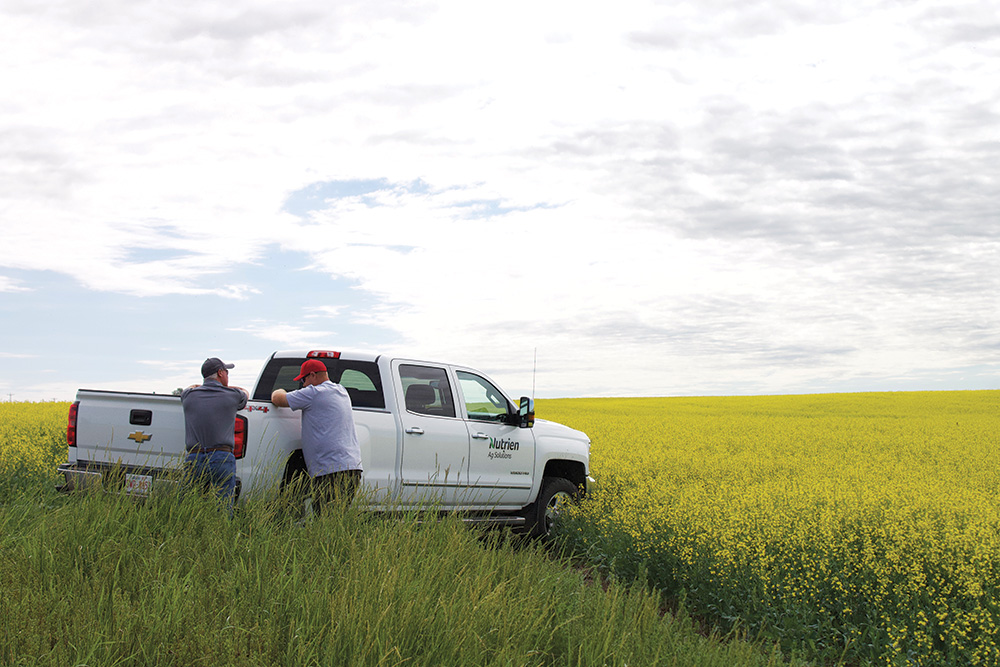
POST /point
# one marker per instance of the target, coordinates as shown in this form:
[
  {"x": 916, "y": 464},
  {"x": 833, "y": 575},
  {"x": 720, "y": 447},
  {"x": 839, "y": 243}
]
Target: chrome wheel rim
[{"x": 554, "y": 508}]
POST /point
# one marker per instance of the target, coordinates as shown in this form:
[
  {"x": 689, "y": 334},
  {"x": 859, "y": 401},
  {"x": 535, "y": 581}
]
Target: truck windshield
[{"x": 360, "y": 378}]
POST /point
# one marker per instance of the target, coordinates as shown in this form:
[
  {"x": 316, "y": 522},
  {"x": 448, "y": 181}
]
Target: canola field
[
  {"x": 862, "y": 528},
  {"x": 854, "y": 527},
  {"x": 32, "y": 444},
  {"x": 97, "y": 579}
]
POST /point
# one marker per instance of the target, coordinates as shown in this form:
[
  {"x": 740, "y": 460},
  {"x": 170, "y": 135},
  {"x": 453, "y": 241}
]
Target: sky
[{"x": 579, "y": 199}]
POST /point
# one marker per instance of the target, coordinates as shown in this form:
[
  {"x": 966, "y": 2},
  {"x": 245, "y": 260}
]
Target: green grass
[
  {"x": 92, "y": 579},
  {"x": 101, "y": 580}
]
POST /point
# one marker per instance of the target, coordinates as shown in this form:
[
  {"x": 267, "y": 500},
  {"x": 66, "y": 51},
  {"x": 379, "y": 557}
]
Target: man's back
[
  {"x": 209, "y": 413},
  {"x": 329, "y": 440}
]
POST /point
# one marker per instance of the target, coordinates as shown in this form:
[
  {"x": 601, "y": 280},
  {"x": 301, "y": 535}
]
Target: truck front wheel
[{"x": 555, "y": 494}]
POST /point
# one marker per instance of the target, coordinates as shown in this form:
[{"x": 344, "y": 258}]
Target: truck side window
[
  {"x": 483, "y": 401},
  {"x": 426, "y": 390}
]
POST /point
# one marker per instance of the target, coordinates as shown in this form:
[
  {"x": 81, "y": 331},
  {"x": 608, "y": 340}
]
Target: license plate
[{"x": 139, "y": 485}]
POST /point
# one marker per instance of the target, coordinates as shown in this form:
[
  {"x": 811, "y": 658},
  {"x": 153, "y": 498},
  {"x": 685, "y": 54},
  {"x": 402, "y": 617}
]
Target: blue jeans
[{"x": 213, "y": 470}]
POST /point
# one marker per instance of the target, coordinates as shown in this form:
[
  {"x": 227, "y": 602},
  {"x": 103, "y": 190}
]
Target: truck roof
[{"x": 325, "y": 353}]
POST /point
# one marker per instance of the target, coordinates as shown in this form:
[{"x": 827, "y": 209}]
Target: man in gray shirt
[
  {"x": 329, "y": 440},
  {"x": 209, "y": 420}
]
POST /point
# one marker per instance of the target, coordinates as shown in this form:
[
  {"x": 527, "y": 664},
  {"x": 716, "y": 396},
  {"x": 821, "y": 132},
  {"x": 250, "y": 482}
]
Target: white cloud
[
  {"x": 765, "y": 196},
  {"x": 11, "y": 285},
  {"x": 326, "y": 312},
  {"x": 287, "y": 336}
]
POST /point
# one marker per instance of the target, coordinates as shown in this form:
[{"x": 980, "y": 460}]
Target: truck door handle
[
  {"x": 481, "y": 436},
  {"x": 415, "y": 430}
]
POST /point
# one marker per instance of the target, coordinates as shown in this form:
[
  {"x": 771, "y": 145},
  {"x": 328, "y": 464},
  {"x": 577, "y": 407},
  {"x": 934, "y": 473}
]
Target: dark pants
[
  {"x": 337, "y": 488},
  {"x": 213, "y": 471}
]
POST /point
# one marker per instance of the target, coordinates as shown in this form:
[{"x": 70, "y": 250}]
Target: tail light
[
  {"x": 240, "y": 437},
  {"x": 71, "y": 424},
  {"x": 320, "y": 354}
]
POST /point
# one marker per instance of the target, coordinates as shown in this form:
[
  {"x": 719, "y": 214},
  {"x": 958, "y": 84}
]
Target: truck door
[
  {"x": 501, "y": 456},
  {"x": 435, "y": 459}
]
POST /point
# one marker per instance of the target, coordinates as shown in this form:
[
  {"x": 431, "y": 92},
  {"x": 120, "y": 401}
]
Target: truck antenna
[{"x": 534, "y": 367}]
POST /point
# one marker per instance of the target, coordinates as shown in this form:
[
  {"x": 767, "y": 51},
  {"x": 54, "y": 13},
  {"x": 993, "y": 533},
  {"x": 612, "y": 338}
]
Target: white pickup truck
[{"x": 431, "y": 434}]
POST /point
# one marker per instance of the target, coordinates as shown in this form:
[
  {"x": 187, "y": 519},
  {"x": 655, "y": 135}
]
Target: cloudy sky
[{"x": 629, "y": 198}]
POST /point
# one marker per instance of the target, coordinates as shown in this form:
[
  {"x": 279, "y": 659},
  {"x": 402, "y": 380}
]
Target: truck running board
[
  {"x": 502, "y": 520},
  {"x": 478, "y": 520}
]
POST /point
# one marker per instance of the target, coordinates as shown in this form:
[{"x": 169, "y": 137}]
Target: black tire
[
  {"x": 295, "y": 470},
  {"x": 295, "y": 484},
  {"x": 541, "y": 515}
]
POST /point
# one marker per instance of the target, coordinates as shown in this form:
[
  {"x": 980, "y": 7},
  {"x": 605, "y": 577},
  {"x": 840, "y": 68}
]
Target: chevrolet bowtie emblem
[{"x": 139, "y": 437}]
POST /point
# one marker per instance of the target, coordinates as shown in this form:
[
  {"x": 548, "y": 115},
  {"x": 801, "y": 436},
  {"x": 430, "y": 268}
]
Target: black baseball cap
[{"x": 212, "y": 366}]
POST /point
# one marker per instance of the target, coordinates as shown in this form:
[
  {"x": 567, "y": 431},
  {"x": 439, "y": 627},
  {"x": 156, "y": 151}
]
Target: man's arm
[{"x": 280, "y": 398}]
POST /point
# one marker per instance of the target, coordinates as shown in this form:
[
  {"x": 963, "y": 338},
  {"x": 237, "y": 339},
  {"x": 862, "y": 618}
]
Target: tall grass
[{"x": 93, "y": 579}]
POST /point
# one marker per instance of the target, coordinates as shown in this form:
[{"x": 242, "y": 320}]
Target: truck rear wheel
[
  {"x": 295, "y": 483},
  {"x": 541, "y": 515}
]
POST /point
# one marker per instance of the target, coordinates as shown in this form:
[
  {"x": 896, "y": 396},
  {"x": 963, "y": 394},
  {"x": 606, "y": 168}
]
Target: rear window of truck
[{"x": 360, "y": 378}]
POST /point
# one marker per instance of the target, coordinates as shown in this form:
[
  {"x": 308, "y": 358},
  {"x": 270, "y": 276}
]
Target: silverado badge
[{"x": 139, "y": 437}]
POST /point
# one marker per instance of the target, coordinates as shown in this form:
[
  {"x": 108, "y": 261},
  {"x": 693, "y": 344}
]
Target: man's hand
[{"x": 280, "y": 398}]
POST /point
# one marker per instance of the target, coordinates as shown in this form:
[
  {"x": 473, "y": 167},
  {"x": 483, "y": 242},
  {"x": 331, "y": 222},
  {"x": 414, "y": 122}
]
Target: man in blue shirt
[
  {"x": 209, "y": 420},
  {"x": 329, "y": 440}
]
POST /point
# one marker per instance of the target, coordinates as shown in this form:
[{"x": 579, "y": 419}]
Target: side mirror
[{"x": 526, "y": 413}]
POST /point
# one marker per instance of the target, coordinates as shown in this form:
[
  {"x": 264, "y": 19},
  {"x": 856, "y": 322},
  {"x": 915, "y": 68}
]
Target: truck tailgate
[{"x": 136, "y": 430}]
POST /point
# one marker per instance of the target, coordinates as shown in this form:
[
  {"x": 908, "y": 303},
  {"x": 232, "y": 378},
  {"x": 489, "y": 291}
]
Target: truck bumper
[
  {"x": 114, "y": 479},
  {"x": 78, "y": 479}
]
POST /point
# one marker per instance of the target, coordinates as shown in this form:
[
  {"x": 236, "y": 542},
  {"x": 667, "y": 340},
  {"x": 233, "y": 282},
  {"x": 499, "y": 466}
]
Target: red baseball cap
[{"x": 310, "y": 366}]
